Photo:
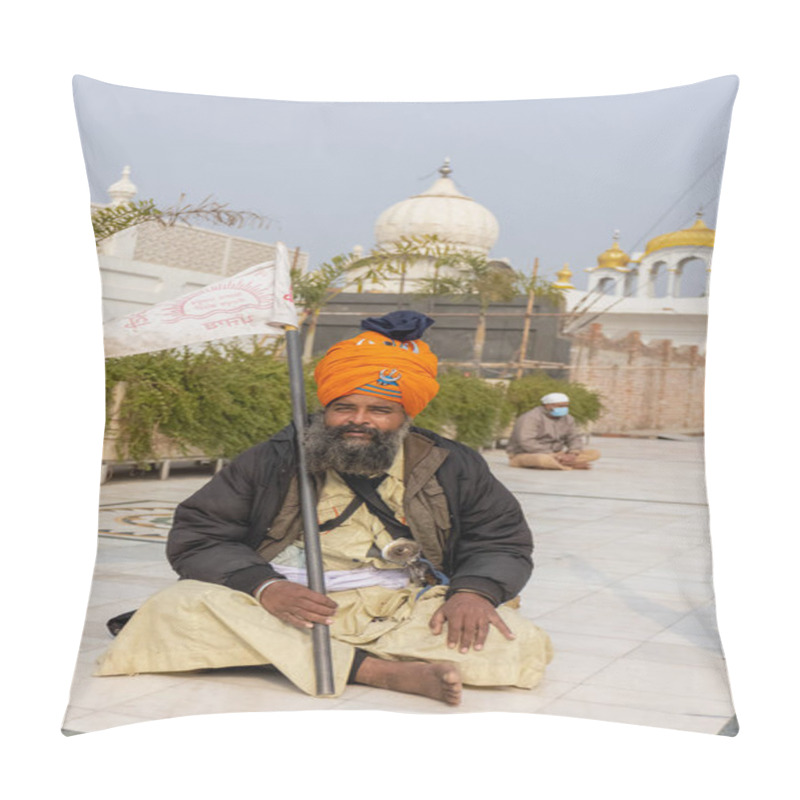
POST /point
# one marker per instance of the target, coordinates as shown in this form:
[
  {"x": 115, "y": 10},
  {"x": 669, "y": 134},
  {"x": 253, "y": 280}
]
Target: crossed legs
[{"x": 550, "y": 460}]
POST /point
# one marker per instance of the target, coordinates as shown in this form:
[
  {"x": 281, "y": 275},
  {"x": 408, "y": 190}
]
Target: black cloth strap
[
  {"x": 351, "y": 507},
  {"x": 344, "y": 516},
  {"x": 365, "y": 489}
]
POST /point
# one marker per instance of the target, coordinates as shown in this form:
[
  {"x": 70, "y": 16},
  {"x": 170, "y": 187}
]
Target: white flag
[{"x": 257, "y": 300}]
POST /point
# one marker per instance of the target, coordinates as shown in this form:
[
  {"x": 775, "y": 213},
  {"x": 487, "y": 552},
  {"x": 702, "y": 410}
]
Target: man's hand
[
  {"x": 297, "y": 604},
  {"x": 468, "y": 616},
  {"x": 567, "y": 459}
]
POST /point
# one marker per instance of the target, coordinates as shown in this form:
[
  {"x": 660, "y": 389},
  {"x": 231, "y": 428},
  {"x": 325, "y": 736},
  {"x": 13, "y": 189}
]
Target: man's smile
[{"x": 357, "y": 433}]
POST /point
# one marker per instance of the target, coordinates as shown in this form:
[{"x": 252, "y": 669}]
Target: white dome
[{"x": 443, "y": 211}]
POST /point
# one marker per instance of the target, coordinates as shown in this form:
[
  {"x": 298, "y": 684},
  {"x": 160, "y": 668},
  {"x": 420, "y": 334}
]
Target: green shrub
[
  {"x": 226, "y": 398},
  {"x": 220, "y": 400},
  {"x": 467, "y": 409}
]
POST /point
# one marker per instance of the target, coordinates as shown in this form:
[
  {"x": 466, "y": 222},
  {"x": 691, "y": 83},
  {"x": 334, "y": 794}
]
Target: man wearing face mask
[{"x": 547, "y": 437}]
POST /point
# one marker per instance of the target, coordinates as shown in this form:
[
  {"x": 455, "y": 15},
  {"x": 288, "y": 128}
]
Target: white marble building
[{"x": 649, "y": 292}]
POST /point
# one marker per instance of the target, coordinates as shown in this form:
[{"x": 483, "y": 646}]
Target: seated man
[
  {"x": 546, "y": 437},
  {"x": 421, "y": 547}
]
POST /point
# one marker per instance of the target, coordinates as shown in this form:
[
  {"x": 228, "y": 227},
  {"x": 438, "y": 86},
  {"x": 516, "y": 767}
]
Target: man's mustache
[{"x": 341, "y": 430}]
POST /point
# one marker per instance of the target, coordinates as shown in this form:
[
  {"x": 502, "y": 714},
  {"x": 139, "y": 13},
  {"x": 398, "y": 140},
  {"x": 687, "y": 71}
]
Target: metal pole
[{"x": 320, "y": 635}]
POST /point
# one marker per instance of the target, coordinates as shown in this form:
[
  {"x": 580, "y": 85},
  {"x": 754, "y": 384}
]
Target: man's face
[
  {"x": 548, "y": 407},
  {"x": 359, "y": 416},
  {"x": 356, "y": 434}
]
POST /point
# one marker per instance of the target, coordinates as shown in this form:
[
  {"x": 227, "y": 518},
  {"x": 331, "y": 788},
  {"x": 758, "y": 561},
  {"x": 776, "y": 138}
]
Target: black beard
[{"x": 326, "y": 448}]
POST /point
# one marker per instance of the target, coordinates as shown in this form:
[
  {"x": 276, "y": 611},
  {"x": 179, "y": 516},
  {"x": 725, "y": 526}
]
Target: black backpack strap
[
  {"x": 365, "y": 489},
  {"x": 344, "y": 516}
]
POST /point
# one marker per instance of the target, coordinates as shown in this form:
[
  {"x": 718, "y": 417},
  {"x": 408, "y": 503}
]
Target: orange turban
[{"x": 377, "y": 366}]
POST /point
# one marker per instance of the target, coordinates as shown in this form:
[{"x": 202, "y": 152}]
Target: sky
[{"x": 560, "y": 176}]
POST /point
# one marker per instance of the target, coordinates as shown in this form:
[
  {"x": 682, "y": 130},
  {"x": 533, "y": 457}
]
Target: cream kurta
[
  {"x": 347, "y": 546},
  {"x": 196, "y": 625}
]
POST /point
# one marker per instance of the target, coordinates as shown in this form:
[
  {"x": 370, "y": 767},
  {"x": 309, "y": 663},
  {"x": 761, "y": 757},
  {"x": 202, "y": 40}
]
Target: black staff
[{"x": 320, "y": 635}]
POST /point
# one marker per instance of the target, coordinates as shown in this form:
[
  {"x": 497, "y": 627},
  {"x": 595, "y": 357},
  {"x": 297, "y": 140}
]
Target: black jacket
[{"x": 485, "y": 545}]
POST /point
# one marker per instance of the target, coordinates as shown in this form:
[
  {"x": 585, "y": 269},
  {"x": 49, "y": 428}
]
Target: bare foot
[
  {"x": 581, "y": 466},
  {"x": 439, "y": 680}
]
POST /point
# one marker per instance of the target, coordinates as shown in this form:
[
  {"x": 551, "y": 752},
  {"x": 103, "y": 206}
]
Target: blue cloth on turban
[{"x": 402, "y": 326}]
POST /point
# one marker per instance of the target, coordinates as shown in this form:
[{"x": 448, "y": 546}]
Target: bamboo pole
[
  {"x": 626, "y": 368},
  {"x": 514, "y": 313},
  {"x": 508, "y": 364},
  {"x": 523, "y": 348}
]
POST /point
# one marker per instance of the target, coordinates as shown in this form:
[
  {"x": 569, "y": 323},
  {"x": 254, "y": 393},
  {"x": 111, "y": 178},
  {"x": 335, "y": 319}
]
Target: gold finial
[
  {"x": 564, "y": 276},
  {"x": 698, "y": 223},
  {"x": 615, "y": 257}
]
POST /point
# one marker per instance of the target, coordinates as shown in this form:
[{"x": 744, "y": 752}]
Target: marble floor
[{"x": 622, "y": 584}]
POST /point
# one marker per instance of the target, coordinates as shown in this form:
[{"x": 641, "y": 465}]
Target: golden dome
[
  {"x": 564, "y": 276},
  {"x": 615, "y": 257},
  {"x": 699, "y": 235}
]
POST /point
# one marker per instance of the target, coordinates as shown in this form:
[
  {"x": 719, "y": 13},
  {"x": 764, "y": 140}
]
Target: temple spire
[
  {"x": 564, "y": 278},
  {"x": 123, "y": 191}
]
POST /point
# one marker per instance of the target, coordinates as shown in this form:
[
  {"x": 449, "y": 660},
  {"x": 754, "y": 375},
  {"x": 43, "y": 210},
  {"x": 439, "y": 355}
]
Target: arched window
[
  {"x": 631, "y": 280},
  {"x": 659, "y": 280},
  {"x": 693, "y": 278},
  {"x": 606, "y": 286}
]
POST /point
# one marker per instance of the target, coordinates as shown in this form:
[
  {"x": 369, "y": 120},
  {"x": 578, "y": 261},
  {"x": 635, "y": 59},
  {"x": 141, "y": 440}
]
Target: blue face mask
[{"x": 562, "y": 411}]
